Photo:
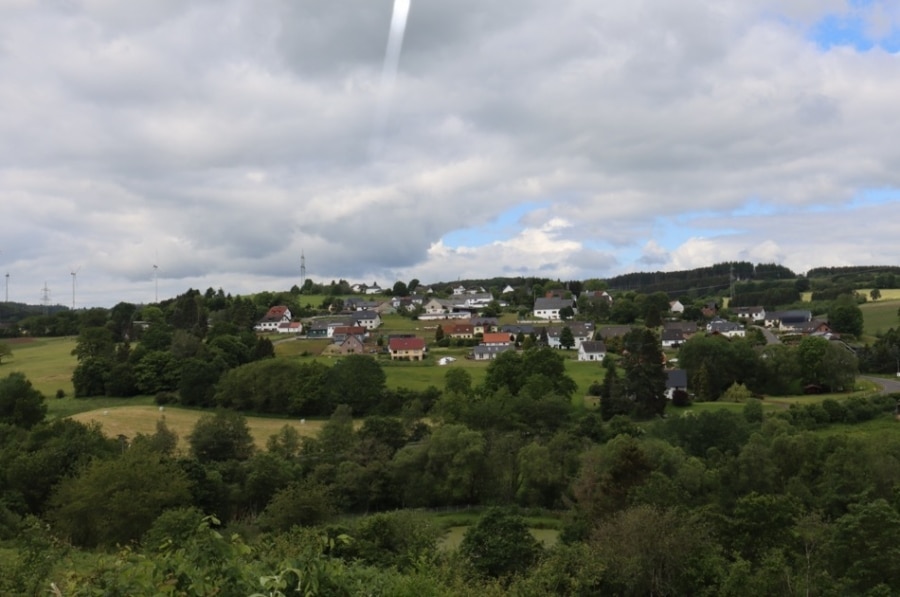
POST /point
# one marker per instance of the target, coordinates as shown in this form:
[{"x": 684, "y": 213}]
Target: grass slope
[
  {"x": 880, "y": 316},
  {"x": 47, "y": 362}
]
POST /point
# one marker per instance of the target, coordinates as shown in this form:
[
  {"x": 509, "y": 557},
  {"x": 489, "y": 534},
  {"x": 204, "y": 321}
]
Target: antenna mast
[
  {"x": 45, "y": 299},
  {"x": 7, "y": 287},
  {"x": 156, "y": 283},
  {"x": 302, "y": 269}
]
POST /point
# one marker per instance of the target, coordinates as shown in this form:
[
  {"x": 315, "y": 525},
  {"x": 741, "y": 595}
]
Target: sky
[{"x": 221, "y": 139}]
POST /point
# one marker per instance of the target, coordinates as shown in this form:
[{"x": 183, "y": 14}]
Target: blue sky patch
[
  {"x": 851, "y": 29},
  {"x": 503, "y": 227}
]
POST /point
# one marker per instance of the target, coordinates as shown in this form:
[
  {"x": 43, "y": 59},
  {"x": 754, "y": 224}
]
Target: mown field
[{"x": 132, "y": 420}]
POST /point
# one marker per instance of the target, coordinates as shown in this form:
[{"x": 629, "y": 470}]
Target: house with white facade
[
  {"x": 750, "y": 313},
  {"x": 367, "y": 319},
  {"x": 729, "y": 329},
  {"x": 274, "y": 317},
  {"x": 592, "y": 350},
  {"x": 549, "y": 308}
]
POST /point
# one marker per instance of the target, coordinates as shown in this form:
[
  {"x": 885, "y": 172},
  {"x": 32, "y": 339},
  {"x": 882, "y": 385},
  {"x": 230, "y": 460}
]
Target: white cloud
[{"x": 227, "y": 138}]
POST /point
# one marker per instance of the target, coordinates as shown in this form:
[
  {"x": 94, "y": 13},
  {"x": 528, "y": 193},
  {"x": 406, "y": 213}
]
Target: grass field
[
  {"x": 132, "y": 420},
  {"x": 880, "y": 315},
  {"x": 47, "y": 362}
]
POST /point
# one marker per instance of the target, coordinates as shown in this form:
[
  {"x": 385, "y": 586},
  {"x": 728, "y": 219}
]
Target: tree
[
  {"x": 499, "y": 545},
  {"x": 116, "y": 501},
  {"x": 828, "y": 364},
  {"x": 357, "y": 380},
  {"x": 20, "y": 404},
  {"x": 439, "y": 333},
  {"x": 875, "y": 294},
  {"x": 94, "y": 342},
  {"x": 566, "y": 312},
  {"x": 220, "y": 437},
  {"x": 5, "y": 351},
  {"x": 197, "y": 382},
  {"x": 90, "y": 376},
  {"x": 645, "y": 377},
  {"x": 845, "y": 316},
  {"x": 400, "y": 289},
  {"x": 567, "y": 338}
]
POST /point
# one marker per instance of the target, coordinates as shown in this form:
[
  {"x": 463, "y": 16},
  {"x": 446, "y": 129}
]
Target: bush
[
  {"x": 60, "y": 393},
  {"x": 163, "y": 398},
  {"x": 681, "y": 399}
]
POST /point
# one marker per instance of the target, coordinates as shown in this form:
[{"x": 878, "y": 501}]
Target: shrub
[
  {"x": 60, "y": 393},
  {"x": 163, "y": 398}
]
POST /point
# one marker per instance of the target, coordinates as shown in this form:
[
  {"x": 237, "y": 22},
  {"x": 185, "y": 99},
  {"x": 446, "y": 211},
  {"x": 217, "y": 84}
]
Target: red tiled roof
[
  {"x": 406, "y": 344},
  {"x": 495, "y": 337}
]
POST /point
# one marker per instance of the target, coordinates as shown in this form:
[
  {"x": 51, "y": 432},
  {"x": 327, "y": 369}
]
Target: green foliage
[
  {"x": 220, "y": 437},
  {"x": 303, "y": 503},
  {"x": 401, "y": 540},
  {"x": 157, "y": 371},
  {"x": 20, "y": 404},
  {"x": 511, "y": 369},
  {"x": 566, "y": 338},
  {"x": 828, "y": 364},
  {"x": 274, "y": 386},
  {"x": 652, "y": 551},
  {"x": 116, "y": 501},
  {"x": 5, "y": 351},
  {"x": 94, "y": 342},
  {"x": 356, "y": 380},
  {"x": 90, "y": 377},
  {"x": 715, "y": 363},
  {"x": 499, "y": 545},
  {"x": 645, "y": 378},
  {"x": 738, "y": 392},
  {"x": 845, "y": 316}
]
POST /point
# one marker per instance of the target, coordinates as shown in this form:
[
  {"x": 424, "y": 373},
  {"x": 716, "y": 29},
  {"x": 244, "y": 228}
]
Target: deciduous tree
[{"x": 20, "y": 404}]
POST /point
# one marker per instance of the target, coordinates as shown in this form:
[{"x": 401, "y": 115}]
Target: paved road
[
  {"x": 769, "y": 336},
  {"x": 887, "y": 385}
]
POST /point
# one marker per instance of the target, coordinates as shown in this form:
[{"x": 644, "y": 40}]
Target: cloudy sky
[{"x": 218, "y": 139}]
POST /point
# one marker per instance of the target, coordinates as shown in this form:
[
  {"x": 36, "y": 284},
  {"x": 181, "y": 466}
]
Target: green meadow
[
  {"x": 880, "y": 316},
  {"x": 47, "y": 362}
]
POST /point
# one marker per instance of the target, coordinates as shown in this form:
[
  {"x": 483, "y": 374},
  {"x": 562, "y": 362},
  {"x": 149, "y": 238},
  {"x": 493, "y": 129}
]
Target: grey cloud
[{"x": 230, "y": 135}]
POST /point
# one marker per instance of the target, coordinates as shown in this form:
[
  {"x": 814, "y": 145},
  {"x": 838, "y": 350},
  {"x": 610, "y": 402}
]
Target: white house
[
  {"x": 273, "y": 318},
  {"x": 750, "y": 313},
  {"x": 367, "y": 319},
  {"x": 549, "y": 308},
  {"x": 676, "y": 306},
  {"x": 592, "y": 350},
  {"x": 725, "y": 328}
]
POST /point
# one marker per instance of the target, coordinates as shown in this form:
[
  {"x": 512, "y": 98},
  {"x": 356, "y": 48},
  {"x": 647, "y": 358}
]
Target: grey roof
[
  {"x": 614, "y": 330},
  {"x": 688, "y": 327},
  {"x": 676, "y": 378},
  {"x": 516, "y": 329},
  {"x": 794, "y": 316},
  {"x": 593, "y": 346},
  {"x": 552, "y": 303},
  {"x": 492, "y": 349},
  {"x": 672, "y": 335}
]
